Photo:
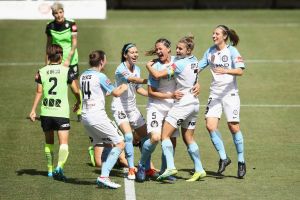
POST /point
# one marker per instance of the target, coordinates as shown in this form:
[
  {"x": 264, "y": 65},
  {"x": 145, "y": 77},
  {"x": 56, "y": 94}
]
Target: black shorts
[
  {"x": 55, "y": 123},
  {"x": 74, "y": 70}
]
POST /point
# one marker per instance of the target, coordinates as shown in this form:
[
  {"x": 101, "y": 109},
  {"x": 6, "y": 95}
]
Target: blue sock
[
  {"x": 168, "y": 151},
  {"x": 105, "y": 153},
  {"x": 239, "y": 145},
  {"x": 216, "y": 139},
  {"x": 110, "y": 161},
  {"x": 147, "y": 164},
  {"x": 129, "y": 151},
  {"x": 163, "y": 166},
  {"x": 147, "y": 150},
  {"x": 195, "y": 156}
]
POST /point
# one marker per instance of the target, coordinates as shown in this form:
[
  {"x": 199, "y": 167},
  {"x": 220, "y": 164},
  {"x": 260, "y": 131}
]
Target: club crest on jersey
[
  {"x": 67, "y": 25},
  {"x": 235, "y": 112},
  {"x": 121, "y": 115},
  {"x": 224, "y": 58},
  {"x": 154, "y": 123},
  {"x": 179, "y": 122}
]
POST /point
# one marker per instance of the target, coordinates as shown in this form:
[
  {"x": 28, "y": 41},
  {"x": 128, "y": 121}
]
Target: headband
[{"x": 128, "y": 47}]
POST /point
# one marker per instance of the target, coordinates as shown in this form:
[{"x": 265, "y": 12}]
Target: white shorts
[
  {"x": 229, "y": 103},
  {"x": 104, "y": 133},
  {"x": 184, "y": 116},
  {"x": 155, "y": 119},
  {"x": 134, "y": 117}
]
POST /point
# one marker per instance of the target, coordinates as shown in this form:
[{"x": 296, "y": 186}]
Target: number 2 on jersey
[{"x": 85, "y": 85}]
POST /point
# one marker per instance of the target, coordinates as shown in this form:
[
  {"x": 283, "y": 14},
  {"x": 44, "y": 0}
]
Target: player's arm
[
  {"x": 38, "y": 95},
  {"x": 235, "y": 72},
  {"x": 118, "y": 91},
  {"x": 76, "y": 92},
  {"x": 137, "y": 80},
  {"x": 152, "y": 91},
  {"x": 155, "y": 73},
  {"x": 74, "y": 45},
  {"x": 142, "y": 91}
]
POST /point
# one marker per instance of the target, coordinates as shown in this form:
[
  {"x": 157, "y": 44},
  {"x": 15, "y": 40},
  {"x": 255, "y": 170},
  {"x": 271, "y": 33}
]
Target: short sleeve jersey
[
  {"x": 185, "y": 71},
  {"x": 62, "y": 34},
  {"x": 228, "y": 58},
  {"x": 164, "y": 85},
  {"x": 94, "y": 87},
  {"x": 54, "y": 80},
  {"x": 128, "y": 98}
]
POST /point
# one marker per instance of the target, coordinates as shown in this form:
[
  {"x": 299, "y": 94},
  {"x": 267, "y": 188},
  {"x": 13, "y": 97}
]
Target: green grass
[{"x": 271, "y": 134}]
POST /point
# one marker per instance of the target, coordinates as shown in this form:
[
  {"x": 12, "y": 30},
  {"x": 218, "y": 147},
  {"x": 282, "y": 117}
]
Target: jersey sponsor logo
[
  {"x": 106, "y": 139},
  {"x": 192, "y": 123},
  {"x": 154, "y": 124},
  {"x": 224, "y": 58},
  {"x": 67, "y": 125},
  {"x": 121, "y": 115},
  {"x": 51, "y": 102}
]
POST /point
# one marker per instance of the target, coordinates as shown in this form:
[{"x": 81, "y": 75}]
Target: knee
[
  {"x": 128, "y": 137},
  {"x": 121, "y": 145},
  {"x": 155, "y": 138},
  {"x": 234, "y": 127},
  {"x": 210, "y": 127}
]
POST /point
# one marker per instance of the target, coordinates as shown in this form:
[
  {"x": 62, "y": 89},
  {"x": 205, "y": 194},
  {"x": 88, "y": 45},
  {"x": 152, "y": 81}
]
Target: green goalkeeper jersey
[
  {"x": 62, "y": 34},
  {"x": 54, "y": 80}
]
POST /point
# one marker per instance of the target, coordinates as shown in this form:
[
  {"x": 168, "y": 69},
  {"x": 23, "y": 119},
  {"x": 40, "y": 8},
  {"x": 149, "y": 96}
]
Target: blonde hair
[
  {"x": 188, "y": 41},
  {"x": 57, "y": 6}
]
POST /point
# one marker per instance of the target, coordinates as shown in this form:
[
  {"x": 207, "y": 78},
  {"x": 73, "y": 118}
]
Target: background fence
[{"x": 203, "y": 4}]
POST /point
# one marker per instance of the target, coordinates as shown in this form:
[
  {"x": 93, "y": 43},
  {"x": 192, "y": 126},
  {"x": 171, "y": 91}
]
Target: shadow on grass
[
  {"x": 210, "y": 174},
  {"x": 75, "y": 181},
  {"x": 32, "y": 172}
]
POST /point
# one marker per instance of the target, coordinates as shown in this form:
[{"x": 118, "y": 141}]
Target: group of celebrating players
[{"x": 173, "y": 104}]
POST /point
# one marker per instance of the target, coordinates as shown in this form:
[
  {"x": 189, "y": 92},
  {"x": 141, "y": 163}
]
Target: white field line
[
  {"x": 192, "y": 25},
  {"x": 262, "y": 61},
  {"x": 129, "y": 189},
  {"x": 256, "y": 105}
]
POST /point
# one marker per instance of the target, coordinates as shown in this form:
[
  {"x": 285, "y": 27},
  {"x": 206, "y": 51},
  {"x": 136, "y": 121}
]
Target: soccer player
[
  {"x": 124, "y": 108},
  {"x": 63, "y": 31},
  {"x": 95, "y": 86},
  {"x": 225, "y": 64},
  {"x": 161, "y": 97},
  {"x": 184, "y": 111},
  {"x": 52, "y": 86}
]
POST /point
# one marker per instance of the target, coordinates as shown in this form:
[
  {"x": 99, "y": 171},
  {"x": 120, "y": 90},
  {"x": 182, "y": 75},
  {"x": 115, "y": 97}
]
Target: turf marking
[{"x": 129, "y": 189}]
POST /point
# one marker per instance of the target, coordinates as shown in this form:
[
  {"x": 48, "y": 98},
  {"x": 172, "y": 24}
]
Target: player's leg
[
  {"x": 232, "y": 113},
  {"x": 194, "y": 153},
  {"x": 212, "y": 115},
  {"x": 49, "y": 145},
  {"x": 48, "y": 128},
  {"x": 63, "y": 153},
  {"x": 111, "y": 132},
  {"x": 168, "y": 150}
]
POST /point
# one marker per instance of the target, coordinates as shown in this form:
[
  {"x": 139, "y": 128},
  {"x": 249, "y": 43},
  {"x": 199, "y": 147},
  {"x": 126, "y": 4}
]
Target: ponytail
[{"x": 231, "y": 34}]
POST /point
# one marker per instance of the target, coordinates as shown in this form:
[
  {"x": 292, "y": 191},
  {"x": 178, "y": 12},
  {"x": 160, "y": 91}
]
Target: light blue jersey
[
  {"x": 164, "y": 85},
  {"x": 94, "y": 86},
  {"x": 228, "y": 58},
  {"x": 185, "y": 71},
  {"x": 128, "y": 98}
]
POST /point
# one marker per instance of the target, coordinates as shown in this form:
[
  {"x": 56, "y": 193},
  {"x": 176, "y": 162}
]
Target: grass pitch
[{"x": 269, "y": 92}]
